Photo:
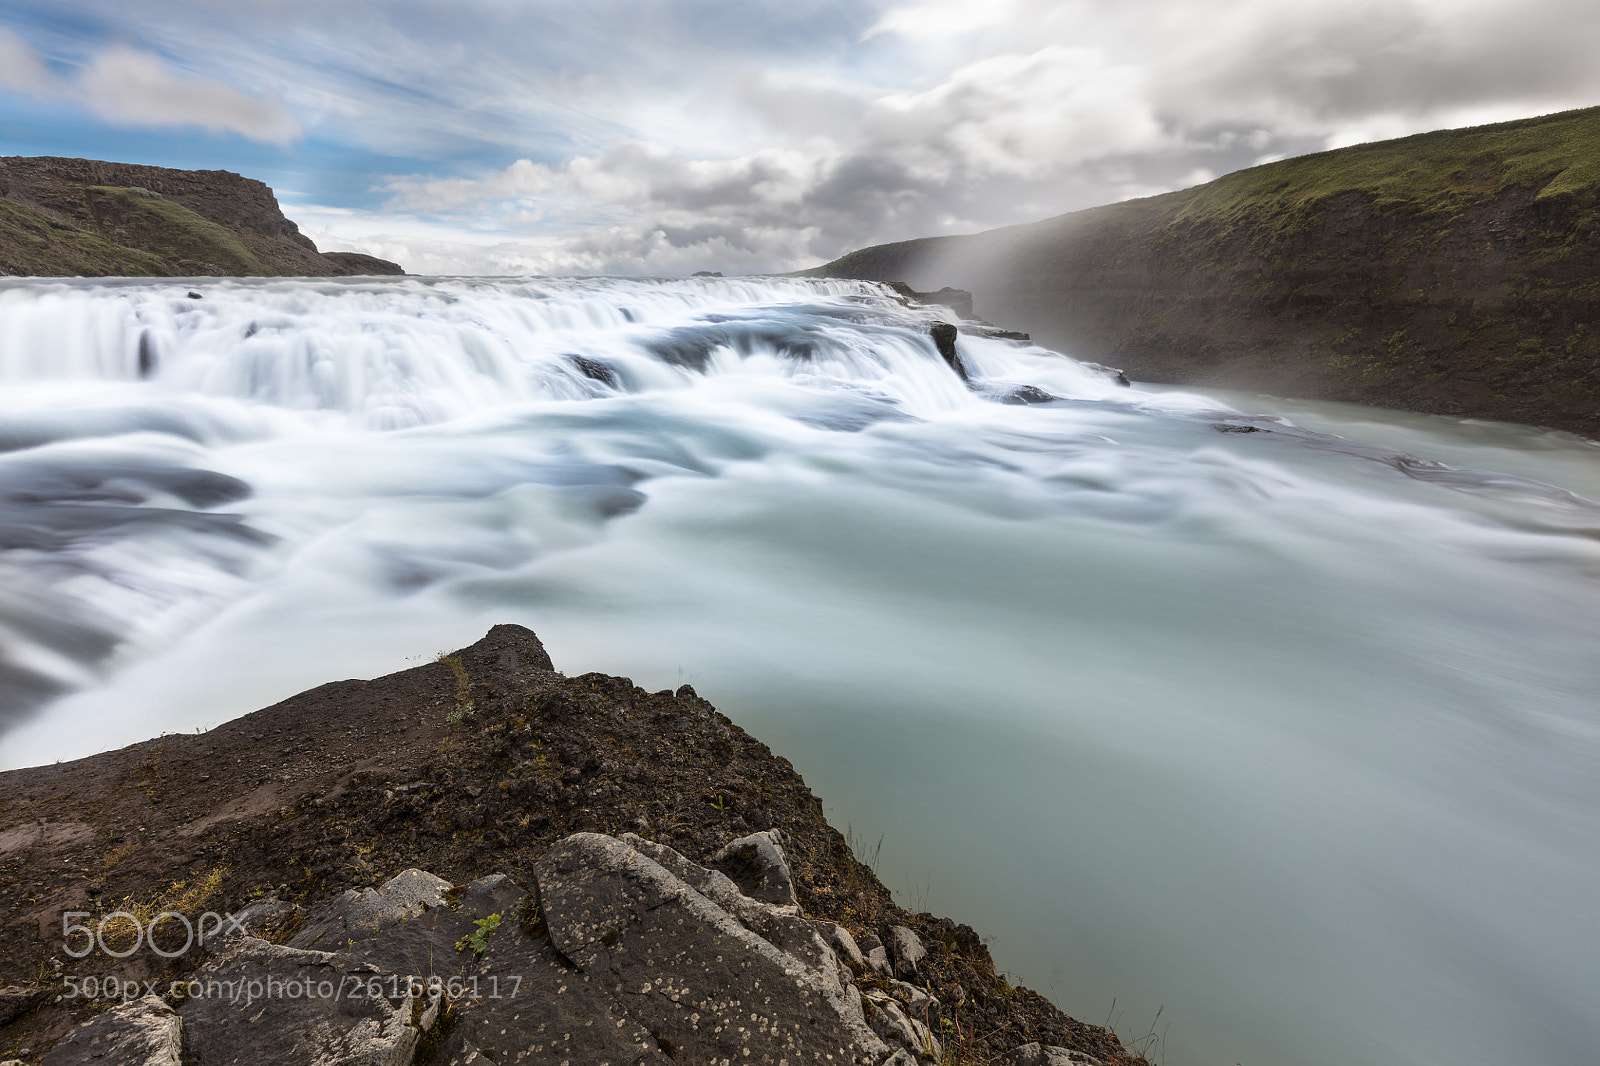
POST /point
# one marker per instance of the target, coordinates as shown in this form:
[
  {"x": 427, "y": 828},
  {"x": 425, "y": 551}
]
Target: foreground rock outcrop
[
  {"x": 1455, "y": 272},
  {"x": 478, "y": 860},
  {"x": 84, "y": 217}
]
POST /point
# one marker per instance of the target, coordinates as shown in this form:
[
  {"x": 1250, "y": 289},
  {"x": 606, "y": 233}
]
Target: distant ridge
[
  {"x": 84, "y": 217},
  {"x": 1455, "y": 272}
]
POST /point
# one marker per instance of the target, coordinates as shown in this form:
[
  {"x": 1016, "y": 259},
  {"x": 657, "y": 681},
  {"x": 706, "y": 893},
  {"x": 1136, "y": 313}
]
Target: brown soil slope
[
  {"x": 84, "y": 217},
  {"x": 1455, "y": 272},
  {"x": 468, "y": 766}
]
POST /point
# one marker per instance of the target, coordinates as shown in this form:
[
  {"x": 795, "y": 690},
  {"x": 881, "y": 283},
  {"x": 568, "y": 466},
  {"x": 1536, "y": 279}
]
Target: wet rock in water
[
  {"x": 944, "y": 339},
  {"x": 145, "y": 1032},
  {"x": 1028, "y": 394},
  {"x": 756, "y": 864},
  {"x": 595, "y": 370},
  {"x": 906, "y": 949},
  {"x": 1111, "y": 372},
  {"x": 147, "y": 354},
  {"x": 264, "y": 1003},
  {"x": 1036, "y": 1054},
  {"x": 1233, "y": 427}
]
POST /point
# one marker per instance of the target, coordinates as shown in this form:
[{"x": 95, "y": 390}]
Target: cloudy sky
[{"x": 630, "y": 136}]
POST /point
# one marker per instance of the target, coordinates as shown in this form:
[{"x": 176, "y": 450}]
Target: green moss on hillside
[
  {"x": 145, "y": 221},
  {"x": 33, "y": 243},
  {"x": 1435, "y": 173}
]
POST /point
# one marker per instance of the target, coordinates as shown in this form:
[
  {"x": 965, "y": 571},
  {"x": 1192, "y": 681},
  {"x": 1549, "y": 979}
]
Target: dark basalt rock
[
  {"x": 944, "y": 339},
  {"x": 260, "y": 1003},
  {"x": 145, "y": 1031},
  {"x": 1028, "y": 394},
  {"x": 707, "y": 987},
  {"x": 595, "y": 370}
]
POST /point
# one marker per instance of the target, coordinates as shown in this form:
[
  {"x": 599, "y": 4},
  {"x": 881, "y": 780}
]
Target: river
[{"x": 1281, "y": 718}]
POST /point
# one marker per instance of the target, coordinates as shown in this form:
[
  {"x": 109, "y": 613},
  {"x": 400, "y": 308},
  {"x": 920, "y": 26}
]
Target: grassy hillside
[
  {"x": 1456, "y": 271},
  {"x": 84, "y": 217},
  {"x": 143, "y": 220},
  {"x": 31, "y": 242}
]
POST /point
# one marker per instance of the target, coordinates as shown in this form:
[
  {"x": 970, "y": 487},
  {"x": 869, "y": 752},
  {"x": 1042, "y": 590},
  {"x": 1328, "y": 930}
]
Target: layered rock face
[
  {"x": 1455, "y": 272},
  {"x": 65, "y": 217}
]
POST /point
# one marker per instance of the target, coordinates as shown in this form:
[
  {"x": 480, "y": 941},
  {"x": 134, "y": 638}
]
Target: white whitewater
[{"x": 1284, "y": 718}]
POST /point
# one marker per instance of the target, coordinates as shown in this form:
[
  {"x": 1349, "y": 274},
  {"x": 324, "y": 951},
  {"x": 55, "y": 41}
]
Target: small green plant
[
  {"x": 478, "y": 939},
  {"x": 531, "y": 917}
]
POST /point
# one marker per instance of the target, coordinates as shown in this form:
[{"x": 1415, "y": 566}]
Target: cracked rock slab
[
  {"x": 890, "y": 1021},
  {"x": 706, "y": 987},
  {"x": 757, "y": 865},
  {"x": 145, "y": 1032},
  {"x": 259, "y": 1003},
  {"x": 529, "y": 1005},
  {"x": 359, "y": 914}
]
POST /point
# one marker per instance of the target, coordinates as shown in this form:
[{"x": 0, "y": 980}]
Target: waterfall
[{"x": 1279, "y": 715}]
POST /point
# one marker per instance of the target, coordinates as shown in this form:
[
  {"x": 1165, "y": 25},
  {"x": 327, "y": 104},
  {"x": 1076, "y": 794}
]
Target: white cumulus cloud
[
  {"x": 20, "y": 68},
  {"x": 127, "y": 87},
  {"x": 134, "y": 88}
]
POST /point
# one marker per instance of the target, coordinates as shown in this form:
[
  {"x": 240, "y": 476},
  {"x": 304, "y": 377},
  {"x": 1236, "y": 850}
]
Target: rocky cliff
[
  {"x": 84, "y": 217},
  {"x": 1455, "y": 272},
  {"x": 478, "y": 860}
]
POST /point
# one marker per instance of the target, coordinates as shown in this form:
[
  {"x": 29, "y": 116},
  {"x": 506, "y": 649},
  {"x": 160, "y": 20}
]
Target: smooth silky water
[{"x": 1291, "y": 732}]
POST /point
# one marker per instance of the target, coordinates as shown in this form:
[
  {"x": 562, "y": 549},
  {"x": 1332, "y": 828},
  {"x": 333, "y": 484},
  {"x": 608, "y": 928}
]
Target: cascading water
[{"x": 1285, "y": 722}]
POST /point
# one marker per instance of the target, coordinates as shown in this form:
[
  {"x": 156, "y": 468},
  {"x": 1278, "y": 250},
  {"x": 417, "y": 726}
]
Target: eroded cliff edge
[
  {"x": 88, "y": 218},
  {"x": 1454, "y": 272},
  {"x": 627, "y": 843}
]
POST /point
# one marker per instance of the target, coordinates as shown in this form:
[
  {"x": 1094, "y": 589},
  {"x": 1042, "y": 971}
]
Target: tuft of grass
[
  {"x": 866, "y": 856},
  {"x": 183, "y": 897},
  {"x": 464, "y": 704},
  {"x": 1148, "y": 1047}
]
